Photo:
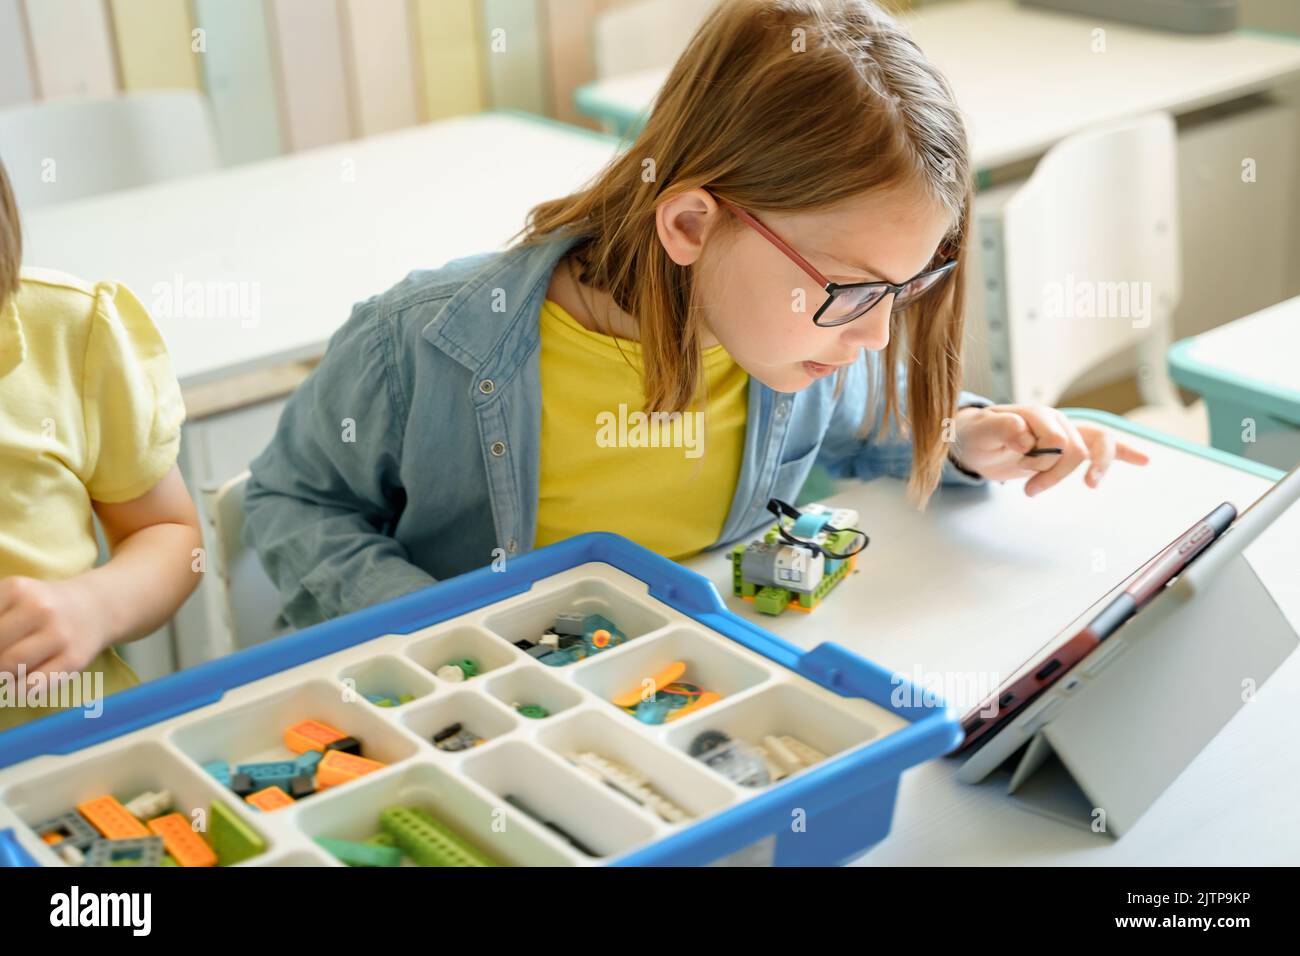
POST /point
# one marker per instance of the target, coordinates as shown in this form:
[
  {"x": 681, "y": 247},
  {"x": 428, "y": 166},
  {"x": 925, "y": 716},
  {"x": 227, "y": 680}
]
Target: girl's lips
[{"x": 818, "y": 370}]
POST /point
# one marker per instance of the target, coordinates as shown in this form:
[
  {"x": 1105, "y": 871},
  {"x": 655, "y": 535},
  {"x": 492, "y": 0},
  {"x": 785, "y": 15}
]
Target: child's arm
[
  {"x": 325, "y": 492},
  {"x": 60, "y": 626}
]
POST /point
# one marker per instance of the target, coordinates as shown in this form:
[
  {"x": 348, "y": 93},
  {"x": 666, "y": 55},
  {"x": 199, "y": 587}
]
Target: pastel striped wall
[
  {"x": 298, "y": 74},
  {"x": 239, "y": 75},
  {"x": 450, "y": 55},
  {"x": 313, "y": 78},
  {"x": 154, "y": 44},
  {"x": 381, "y": 64},
  {"x": 17, "y": 83},
  {"x": 516, "y": 57},
  {"x": 569, "y": 53},
  {"x": 72, "y": 46}
]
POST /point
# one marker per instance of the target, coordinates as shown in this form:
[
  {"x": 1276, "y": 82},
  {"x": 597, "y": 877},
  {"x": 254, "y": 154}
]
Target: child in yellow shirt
[{"x": 90, "y": 419}]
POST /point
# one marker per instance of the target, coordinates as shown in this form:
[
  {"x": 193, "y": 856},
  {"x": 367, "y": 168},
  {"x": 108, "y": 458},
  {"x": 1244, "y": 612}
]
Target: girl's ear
[{"x": 684, "y": 222}]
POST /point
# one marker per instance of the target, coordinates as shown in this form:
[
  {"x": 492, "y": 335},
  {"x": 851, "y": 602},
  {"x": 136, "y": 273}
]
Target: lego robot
[{"x": 799, "y": 560}]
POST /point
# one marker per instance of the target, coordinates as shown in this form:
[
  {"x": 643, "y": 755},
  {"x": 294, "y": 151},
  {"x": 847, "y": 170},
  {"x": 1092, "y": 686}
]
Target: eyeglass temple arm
[{"x": 780, "y": 243}]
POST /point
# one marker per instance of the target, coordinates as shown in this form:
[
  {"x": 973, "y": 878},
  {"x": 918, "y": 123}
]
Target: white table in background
[
  {"x": 1027, "y": 78},
  {"x": 315, "y": 232},
  {"x": 983, "y": 579}
]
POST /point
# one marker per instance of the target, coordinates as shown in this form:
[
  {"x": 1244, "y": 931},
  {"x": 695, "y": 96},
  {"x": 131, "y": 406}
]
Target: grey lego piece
[
  {"x": 103, "y": 852},
  {"x": 758, "y": 564},
  {"x": 569, "y": 622},
  {"x": 77, "y": 829}
]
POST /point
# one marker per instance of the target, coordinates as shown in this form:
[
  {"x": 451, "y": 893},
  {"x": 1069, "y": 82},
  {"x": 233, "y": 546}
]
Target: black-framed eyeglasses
[
  {"x": 850, "y": 300},
  {"x": 783, "y": 510}
]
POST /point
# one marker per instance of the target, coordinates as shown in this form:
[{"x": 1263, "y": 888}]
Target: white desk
[
  {"x": 970, "y": 589},
  {"x": 313, "y": 233},
  {"x": 1027, "y": 78}
]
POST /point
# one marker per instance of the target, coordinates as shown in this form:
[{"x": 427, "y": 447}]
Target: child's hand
[
  {"x": 992, "y": 441},
  {"x": 50, "y": 626}
]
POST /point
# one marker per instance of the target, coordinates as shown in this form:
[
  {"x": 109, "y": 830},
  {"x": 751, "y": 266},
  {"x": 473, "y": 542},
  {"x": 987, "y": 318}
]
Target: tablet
[{"x": 1006, "y": 736}]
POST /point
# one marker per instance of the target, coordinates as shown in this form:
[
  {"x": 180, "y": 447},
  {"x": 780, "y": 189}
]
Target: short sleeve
[{"x": 130, "y": 399}]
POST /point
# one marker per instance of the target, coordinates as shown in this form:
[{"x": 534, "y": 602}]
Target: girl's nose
[{"x": 871, "y": 332}]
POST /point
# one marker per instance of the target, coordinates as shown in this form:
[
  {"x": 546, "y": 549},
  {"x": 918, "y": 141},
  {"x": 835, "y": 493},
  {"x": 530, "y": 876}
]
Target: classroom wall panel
[
  {"x": 514, "y": 40},
  {"x": 239, "y": 77},
  {"x": 313, "y": 77},
  {"x": 72, "y": 47},
  {"x": 568, "y": 26},
  {"x": 17, "y": 85},
  {"x": 154, "y": 44},
  {"x": 381, "y": 65},
  {"x": 451, "y": 53}
]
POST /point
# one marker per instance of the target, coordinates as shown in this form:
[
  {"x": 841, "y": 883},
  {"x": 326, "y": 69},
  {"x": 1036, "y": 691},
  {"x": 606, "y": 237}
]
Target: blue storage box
[{"x": 380, "y": 675}]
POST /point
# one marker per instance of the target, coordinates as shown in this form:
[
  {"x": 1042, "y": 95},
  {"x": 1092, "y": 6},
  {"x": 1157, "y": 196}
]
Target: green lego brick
[
  {"x": 233, "y": 840},
  {"x": 427, "y": 841},
  {"x": 841, "y": 540},
  {"x": 806, "y": 599},
  {"x": 169, "y": 860},
  {"x": 382, "y": 839},
  {"x": 361, "y": 854},
  {"x": 771, "y": 600}
]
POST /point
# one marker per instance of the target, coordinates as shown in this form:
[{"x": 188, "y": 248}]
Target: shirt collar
[
  {"x": 470, "y": 331},
  {"x": 13, "y": 347}
]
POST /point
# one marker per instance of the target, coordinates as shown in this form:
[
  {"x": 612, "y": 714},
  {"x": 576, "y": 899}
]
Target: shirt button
[
  {"x": 498, "y": 448},
  {"x": 781, "y": 410},
  {"x": 512, "y": 546},
  {"x": 487, "y": 386}
]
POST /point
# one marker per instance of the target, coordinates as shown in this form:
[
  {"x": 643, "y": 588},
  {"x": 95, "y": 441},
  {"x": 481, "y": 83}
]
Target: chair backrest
[
  {"x": 645, "y": 34},
  {"x": 248, "y": 598},
  {"x": 64, "y": 149},
  {"x": 1090, "y": 260}
]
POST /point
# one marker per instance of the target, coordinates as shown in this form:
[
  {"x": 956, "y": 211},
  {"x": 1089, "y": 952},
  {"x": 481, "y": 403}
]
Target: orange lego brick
[
  {"x": 310, "y": 735},
  {"x": 338, "y": 767},
  {"x": 112, "y": 819},
  {"x": 179, "y": 839},
  {"x": 52, "y": 838},
  {"x": 272, "y": 798}
]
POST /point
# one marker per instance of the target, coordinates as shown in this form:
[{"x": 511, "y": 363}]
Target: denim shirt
[{"x": 412, "y": 452}]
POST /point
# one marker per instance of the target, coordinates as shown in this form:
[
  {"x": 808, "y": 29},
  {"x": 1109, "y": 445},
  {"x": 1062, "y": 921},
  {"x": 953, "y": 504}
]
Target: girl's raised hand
[{"x": 993, "y": 441}]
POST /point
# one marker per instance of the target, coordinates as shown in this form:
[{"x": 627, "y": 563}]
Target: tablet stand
[{"x": 1134, "y": 713}]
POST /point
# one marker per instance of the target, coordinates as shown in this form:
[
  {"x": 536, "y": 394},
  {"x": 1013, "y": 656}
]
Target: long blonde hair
[{"x": 783, "y": 105}]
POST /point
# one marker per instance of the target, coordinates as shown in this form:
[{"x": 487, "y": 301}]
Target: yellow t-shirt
[
  {"x": 607, "y": 465},
  {"x": 89, "y": 411}
]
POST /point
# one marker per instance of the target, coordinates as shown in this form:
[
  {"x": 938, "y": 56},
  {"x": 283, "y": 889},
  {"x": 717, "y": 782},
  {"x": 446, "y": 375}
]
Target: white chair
[
  {"x": 248, "y": 599},
  {"x": 1080, "y": 268},
  {"x": 644, "y": 35},
  {"x": 64, "y": 149}
]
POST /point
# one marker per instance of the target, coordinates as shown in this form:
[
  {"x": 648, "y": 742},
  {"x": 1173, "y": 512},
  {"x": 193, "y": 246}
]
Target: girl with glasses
[{"x": 769, "y": 277}]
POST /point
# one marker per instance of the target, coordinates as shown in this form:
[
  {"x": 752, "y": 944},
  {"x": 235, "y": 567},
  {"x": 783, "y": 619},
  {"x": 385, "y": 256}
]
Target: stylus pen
[{"x": 1035, "y": 452}]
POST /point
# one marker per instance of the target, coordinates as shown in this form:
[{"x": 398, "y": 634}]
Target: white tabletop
[
  {"x": 1263, "y": 348},
  {"x": 967, "y": 591},
  {"x": 1027, "y": 78},
  {"x": 310, "y": 234}
]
